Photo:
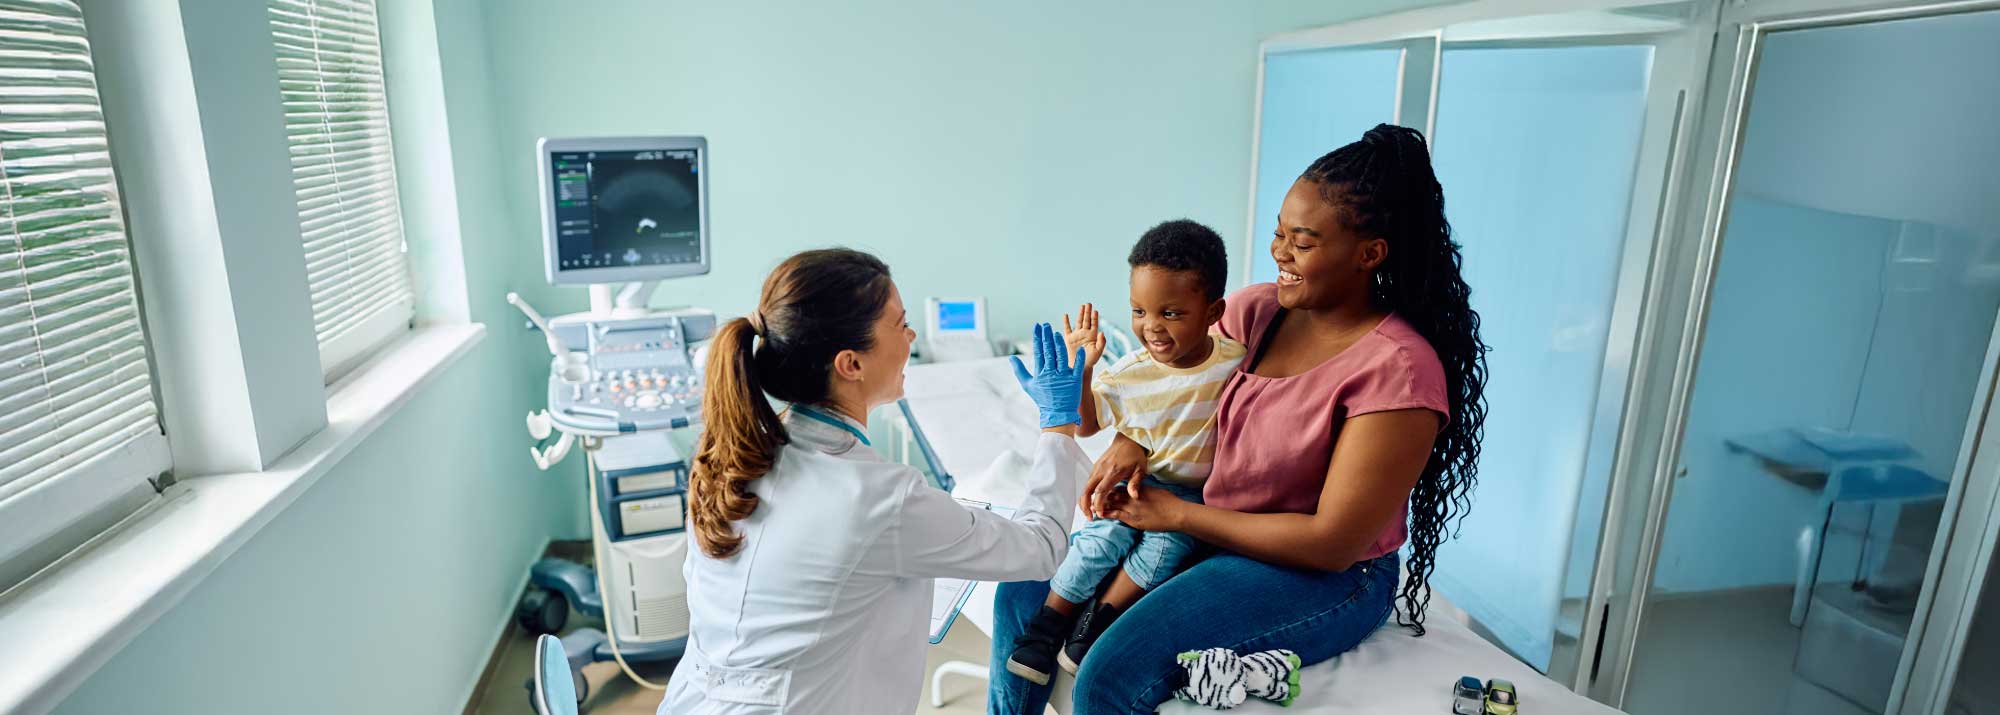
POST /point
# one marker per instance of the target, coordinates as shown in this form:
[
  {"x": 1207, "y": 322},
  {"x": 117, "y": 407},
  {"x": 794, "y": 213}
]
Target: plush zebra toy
[{"x": 1221, "y": 679}]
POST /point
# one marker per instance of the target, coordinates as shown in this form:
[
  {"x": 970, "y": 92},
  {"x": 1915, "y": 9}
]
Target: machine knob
[{"x": 647, "y": 400}]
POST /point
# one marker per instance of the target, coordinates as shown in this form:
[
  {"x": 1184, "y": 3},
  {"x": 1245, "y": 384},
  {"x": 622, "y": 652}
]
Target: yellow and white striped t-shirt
[{"x": 1170, "y": 411}]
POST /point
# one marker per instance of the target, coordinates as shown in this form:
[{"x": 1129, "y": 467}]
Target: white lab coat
[{"x": 826, "y": 608}]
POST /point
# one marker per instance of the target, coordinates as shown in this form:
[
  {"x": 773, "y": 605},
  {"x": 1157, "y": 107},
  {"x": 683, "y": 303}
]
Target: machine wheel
[{"x": 542, "y": 611}]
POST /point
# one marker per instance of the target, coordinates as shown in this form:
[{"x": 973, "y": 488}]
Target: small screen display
[
  {"x": 616, "y": 209},
  {"x": 958, "y": 316}
]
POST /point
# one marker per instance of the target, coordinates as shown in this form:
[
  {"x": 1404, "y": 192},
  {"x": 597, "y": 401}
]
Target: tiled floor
[
  {"x": 611, "y": 693},
  {"x": 1728, "y": 652}
]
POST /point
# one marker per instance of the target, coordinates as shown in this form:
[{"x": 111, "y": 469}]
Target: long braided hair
[{"x": 1386, "y": 189}]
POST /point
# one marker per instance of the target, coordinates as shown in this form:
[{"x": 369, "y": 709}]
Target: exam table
[{"x": 979, "y": 425}]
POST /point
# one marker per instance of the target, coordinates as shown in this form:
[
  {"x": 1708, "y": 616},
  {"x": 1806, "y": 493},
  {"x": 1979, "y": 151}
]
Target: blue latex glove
[{"x": 1057, "y": 385}]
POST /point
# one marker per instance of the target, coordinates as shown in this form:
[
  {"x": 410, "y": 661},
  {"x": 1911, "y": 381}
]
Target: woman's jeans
[
  {"x": 1149, "y": 557},
  {"x": 1225, "y": 601}
]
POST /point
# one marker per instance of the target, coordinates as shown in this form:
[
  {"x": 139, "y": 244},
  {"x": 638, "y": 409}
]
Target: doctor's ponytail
[
  {"x": 739, "y": 441},
  {"x": 813, "y": 306}
]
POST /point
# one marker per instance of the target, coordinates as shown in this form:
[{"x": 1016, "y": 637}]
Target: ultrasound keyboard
[{"x": 641, "y": 376}]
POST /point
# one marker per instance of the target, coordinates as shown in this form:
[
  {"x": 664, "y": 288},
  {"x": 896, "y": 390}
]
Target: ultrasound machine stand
[
  {"x": 630, "y": 300},
  {"x": 622, "y": 377}
]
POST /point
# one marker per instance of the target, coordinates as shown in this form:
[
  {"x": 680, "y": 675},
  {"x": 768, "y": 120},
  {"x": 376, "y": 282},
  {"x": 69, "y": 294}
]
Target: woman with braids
[
  {"x": 811, "y": 588},
  {"x": 1351, "y": 429}
]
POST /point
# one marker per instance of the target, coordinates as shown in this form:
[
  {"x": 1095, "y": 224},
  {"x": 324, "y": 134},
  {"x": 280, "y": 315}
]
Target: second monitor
[{"x": 956, "y": 329}]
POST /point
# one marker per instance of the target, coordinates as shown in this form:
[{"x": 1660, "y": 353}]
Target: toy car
[
  {"x": 1468, "y": 697},
  {"x": 1500, "y": 697}
]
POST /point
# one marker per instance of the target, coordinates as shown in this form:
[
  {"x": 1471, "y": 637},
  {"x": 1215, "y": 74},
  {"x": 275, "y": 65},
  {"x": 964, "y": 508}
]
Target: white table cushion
[{"x": 1395, "y": 672}]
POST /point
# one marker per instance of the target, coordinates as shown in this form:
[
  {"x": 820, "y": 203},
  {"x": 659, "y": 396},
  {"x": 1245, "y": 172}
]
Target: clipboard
[
  {"x": 937, "y": 475},
  {"x": 948, "y": 595}
]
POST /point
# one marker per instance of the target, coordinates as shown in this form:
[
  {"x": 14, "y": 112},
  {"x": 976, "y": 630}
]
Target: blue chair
[{"x": 554, "y": 690}]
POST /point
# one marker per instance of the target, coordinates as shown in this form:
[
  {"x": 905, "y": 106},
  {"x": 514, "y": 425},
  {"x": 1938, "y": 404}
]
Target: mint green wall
[
  {"x": 501, "y": 258},
  {"x": 1008, "y": 149},
  {"x": 1013, "y": 150}
]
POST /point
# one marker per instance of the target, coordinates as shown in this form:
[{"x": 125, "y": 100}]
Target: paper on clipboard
[{"x": 948, "y": 595}]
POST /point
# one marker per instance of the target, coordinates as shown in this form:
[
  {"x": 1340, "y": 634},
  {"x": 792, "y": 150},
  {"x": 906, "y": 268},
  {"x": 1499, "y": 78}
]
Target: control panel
[{"x": 640, "y": 375}]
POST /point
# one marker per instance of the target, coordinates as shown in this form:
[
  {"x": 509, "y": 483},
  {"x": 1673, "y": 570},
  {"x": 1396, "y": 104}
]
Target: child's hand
[
  {"x": 1122, "y": 462},
  {"x": 1084, "y": 334},
  {"x": 1146, "y": 508}
]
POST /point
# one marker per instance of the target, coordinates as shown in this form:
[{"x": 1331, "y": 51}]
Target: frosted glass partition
[
  {"x": 1843, "y": 351},
  {"x": 1313, "y": 103},
  {"x": 1536, "y": 148}
]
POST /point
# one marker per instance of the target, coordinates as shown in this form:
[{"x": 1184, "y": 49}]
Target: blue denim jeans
[
  {"x": 1225, "y": 601},
  {"x": 1150, "y": 557}
]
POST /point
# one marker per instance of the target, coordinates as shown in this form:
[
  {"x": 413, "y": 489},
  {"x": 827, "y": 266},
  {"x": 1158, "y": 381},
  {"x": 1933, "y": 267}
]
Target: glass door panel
[
  {"x": 1537, "y": 148},
  {"x": 1848, "y": 323},
  {"x": 1313, "y": 102},
  {"x": 1974, "y": 691}
]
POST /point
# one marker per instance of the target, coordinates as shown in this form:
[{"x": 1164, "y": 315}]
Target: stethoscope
[{"x": 818, "y": 416}]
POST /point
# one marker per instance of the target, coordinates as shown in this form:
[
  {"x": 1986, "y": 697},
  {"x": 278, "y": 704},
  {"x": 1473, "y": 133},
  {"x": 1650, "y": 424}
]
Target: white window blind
[
  {"x": 78, "y": 425},
  {"x": 337, "y": 122}
]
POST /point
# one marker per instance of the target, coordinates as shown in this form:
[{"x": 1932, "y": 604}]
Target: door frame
[
  {"x": 1421, "y": 34},
  {"x": 1417, "y": 54},
  {"x": 1672, "y": 333}
]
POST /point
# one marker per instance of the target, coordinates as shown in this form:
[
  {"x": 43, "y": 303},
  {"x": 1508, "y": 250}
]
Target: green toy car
[{"x": 1501, "y": 698}]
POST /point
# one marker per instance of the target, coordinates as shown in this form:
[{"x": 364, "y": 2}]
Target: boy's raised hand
[{"x": 1084, "y": 334}]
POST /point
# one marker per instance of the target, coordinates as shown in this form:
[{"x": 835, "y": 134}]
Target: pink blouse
[{"x": 1275, "y": 435}]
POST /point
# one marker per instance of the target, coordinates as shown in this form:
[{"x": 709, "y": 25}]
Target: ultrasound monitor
[{"x": 624, "y": 209}]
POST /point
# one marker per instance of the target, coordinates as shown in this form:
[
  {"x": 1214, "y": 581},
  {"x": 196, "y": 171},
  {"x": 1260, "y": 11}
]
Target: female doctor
[{"x": 811, "y": 588}]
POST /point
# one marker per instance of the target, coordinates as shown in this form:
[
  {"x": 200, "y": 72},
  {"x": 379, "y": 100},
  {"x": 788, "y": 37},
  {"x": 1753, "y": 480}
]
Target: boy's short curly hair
[{"x": 1184, "y": 245}]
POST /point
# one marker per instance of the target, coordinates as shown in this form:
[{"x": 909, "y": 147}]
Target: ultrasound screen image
[{"x": 627, "y": 208}]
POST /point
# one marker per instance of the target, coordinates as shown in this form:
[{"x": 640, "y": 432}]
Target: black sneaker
[
  {"x": 1034, "y": 655},
  {"x": 1089, "y": 626}
]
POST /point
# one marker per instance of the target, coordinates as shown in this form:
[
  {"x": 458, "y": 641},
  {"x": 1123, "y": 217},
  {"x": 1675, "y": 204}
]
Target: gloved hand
[{"x": 1057, "y": 385}]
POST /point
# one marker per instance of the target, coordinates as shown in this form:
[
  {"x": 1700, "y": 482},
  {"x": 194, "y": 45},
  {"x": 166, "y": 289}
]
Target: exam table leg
[{"x": 952, "y": 667}]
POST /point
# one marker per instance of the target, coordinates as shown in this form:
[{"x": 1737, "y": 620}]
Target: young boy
[{"x": 1162, "y": 397}]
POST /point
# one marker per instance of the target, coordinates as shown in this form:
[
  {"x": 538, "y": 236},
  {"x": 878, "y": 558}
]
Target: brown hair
[{"x": 814, "y": 305}]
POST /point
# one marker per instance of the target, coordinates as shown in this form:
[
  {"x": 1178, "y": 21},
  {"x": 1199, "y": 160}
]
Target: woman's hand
[
  {"x": 1146, "y": 508},
  {"x": 1123, "y": 461}
]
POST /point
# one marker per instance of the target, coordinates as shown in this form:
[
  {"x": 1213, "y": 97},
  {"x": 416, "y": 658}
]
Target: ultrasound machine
[{"x": 623, "y": 378}]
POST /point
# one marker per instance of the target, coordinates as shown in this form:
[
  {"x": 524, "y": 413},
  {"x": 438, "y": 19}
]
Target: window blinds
[
  {"x": 337, "y": 123},
  {"x": 75, "y": 386}
]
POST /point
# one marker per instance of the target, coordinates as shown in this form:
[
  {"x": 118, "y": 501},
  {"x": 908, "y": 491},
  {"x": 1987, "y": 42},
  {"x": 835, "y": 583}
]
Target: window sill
[{"x": 71, "y": 620}]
